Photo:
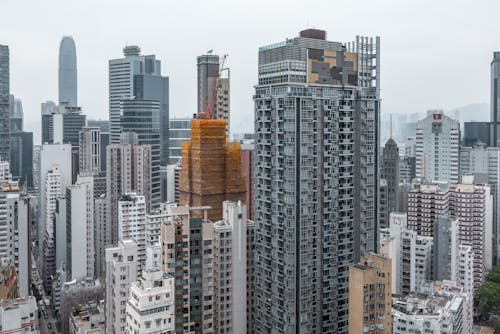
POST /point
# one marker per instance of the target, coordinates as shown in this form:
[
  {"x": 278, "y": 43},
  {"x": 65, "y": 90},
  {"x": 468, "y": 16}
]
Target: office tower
[
  {"x": 4, "y": 103},
  {"x": 132, "y": 224},
  {"x": 389, "y": 170},
  {"x": 383, "y": 204},
  {"x": 90, "y": 151},
  {"x": 19, "y": 315},
  {"x": 90, "y": 318},
  {"x": 21, "y": 157},
  {"x": 494, "y": 105},
  {"x": 316, "y": 178},
  {"x": 231, "y": 284},
  {"x": 247, "y": 163},
  {"x": 50, "y": 156},
  {"x": 121, "y": 271},
  {"x": 179, "y": 132},
  {"x": 407, "y": 169},
  {"x": 472, "y": 204},
  {"x": 128, "y": 170},
  {"x": 150, "y": 307},
  {"x": 15, "y": 248},
  {"x": 437, "y": 148},
  {"x": 411, "y": 256},
  {"x": 15, "y": 114},
  {"x": 370, "y": 295},
  {"x": 476, "y": 132},
  {"x": 102, "y": 124},
  {"x": 73, "y": 122},
  {"x": 446, "y": 310},
  {"x": 47, "y": 109},
  {"x": 211, "y": 168},
  {"x": 425, "y": 203},
  {"x": 67, "y": 72},
  {"x": 143, "y": 118},
  {"x": 138, "y": 76},
  {"x": 187, "y": 243},
  {"x": 54, "y": 190},
  {"x": 213, "y": 88},
  {"x": 80, "y": 229},
  {"x": 445, "y": 249}
]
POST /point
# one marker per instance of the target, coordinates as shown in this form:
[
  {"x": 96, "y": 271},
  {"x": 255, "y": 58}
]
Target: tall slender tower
[
  {"x": 495, "y": 99},
  {"x": 316, "y": 150},
  {"x": 67, "y": 72},
  {"x": 4, "y": 104}
]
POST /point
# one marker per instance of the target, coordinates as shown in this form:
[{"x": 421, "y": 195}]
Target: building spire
[{"x": 390, "y": 116}]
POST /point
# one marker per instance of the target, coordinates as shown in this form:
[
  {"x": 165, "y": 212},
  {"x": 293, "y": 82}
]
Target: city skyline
[{"x": 416, "y": 41}]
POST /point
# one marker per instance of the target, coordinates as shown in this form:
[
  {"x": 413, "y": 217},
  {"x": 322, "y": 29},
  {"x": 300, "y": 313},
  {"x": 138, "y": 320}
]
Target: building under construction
[{"x": 211, "y": 168}]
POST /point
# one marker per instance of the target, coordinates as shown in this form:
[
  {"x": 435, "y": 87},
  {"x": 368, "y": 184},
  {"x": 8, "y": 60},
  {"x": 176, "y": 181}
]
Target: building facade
[
  {"x": 19, "y": 315},
  {"x": 179, "y": 132},
  {"x": 389, "y": 171},
  {"x": 68, "y": 92},
  {"x": 90, "y": 151},
  {"x": 316, "y": 178},
  {"x": 4, "y": 103}
]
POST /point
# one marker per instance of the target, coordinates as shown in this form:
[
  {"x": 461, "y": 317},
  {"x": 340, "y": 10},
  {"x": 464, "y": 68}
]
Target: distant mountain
[{"x": 479, "y": 112}]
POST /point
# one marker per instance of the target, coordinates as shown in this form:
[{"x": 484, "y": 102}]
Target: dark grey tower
[
  {"x": 390, "y": 172},
  {"x": 4, "y": 104},
  {"x": 67, "y": 72},
  {"x": 495, "y": 100},
  {"x": 316, "y": 178},
  {"x": 208, "y": 74}
]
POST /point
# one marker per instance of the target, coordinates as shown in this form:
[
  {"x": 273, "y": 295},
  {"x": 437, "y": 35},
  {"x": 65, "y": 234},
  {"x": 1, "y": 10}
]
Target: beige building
[{"x": 370, "y": 295}]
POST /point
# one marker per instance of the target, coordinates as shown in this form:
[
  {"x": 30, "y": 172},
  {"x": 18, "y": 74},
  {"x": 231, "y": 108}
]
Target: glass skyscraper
[
  {"x": 67, "y": 72},
  {"x": 316, "y": 150}
]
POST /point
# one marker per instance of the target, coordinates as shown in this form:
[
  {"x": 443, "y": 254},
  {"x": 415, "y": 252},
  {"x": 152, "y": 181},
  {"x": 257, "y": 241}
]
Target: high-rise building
[
  {"x": 101, "y": 235},
  {"x": 62, "y": 123},
  {"x": 128, "y": 170},
  {"x": 102, "y": 124},
  {"x": 132, "y": 224},
  {"x": 150, "y": 307},
  {"x": 90, "y": 151},
  {"x": 476, "y": 133},
  {"x": 15, "y": 114},
  {"x": 247, "y": 163},
  {"x": 4, "y": 104},
  {"x": 140, "y": 77},
  {"x": 21, "y": 157},
  {"x": 80, "y": 229},
  {"x": 67, "y": 72},
  {"x": 437, "y": 148},
  {"x": 316, "y": 178},
  {"x": 383, "y": 204},
  {"x": 407, "y": 169},
  {"x": 211, "y": 168},
  {"x": 142, "y": 117},
  {"x": 179, "y": 132},
  {"x": 370, "y": 295},
  {"x": 445, "y": 249},
  {"x": 495, "y": 96},
  {"x": 121, "y": 271},
  {"x": 389, "y": 170}
]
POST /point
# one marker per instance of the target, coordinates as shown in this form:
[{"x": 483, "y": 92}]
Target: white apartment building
[
  {"x": 80, "y": 228},
  {"x": 437, "y": 148},
  {"x": 230, "y": 269},
  {"x": 121, "y": 271},
  {"x": 19, "y": 316},
  {"x": 150, "y": 307},
  {"x": 132, "y": 224}
]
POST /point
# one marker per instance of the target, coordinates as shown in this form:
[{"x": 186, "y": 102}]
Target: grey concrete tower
[
  {"x": 316, "y": 156},
  {"x": 389, "y": 170},
  {"x": 4, "y": 104},
  {"x": 495, "y": 99},
  {"x": 67, "y": 72}
]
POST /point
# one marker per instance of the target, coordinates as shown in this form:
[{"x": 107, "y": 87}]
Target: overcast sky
[{"x": 433, "y": 53}]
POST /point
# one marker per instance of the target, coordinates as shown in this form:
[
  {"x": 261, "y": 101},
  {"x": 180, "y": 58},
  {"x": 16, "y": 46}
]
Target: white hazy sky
[{"x": 434, "y": 53}]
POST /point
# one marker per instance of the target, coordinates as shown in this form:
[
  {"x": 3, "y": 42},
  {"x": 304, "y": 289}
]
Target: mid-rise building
[
  {"x": 88, "y": 319},
  {"x": 132, "y": 224},
  {"x": 19, "y": 315},
  {"x": 67, "y": 72},
  {"x": 211, "y": 168},
  {"x": 4, "y": 104},
  {"x": 150, "y": 307},
  {"x": 437, "y": 148},
  {"x": 370, "y": 295},
  {"x": 316, "y": 178},
  {"x": 121, "y": 272}
]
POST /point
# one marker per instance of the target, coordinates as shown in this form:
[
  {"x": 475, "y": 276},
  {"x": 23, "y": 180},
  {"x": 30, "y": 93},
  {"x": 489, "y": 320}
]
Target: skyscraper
[
  {"x": 316, "y": 152},
  {"x": 16, "y": 114},
  {"x": 495, "y": 100},
  {"x": 67, "y": 72},
  {"x": 390, "y": 171},
  {"x": 4, "y": 104},
  {"x": 437, "y": 148},
  {"x": 138, "y": 76}
]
